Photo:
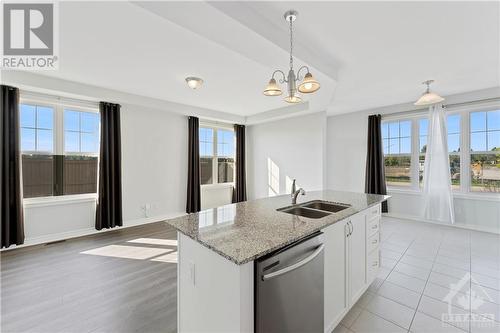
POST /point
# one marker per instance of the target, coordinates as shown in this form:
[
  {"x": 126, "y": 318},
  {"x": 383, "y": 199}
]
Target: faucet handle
[{"x": 293, "y": 186}]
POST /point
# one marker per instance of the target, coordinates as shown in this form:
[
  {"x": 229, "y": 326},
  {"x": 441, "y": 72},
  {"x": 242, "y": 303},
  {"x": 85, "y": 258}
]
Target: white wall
[
  {"x": 346, "y": 157},
  {"x": 287, "y": 149}
]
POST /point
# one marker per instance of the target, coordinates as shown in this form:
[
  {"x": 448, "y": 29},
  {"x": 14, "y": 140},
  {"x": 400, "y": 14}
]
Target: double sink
[{"x": 315, "y": 209}]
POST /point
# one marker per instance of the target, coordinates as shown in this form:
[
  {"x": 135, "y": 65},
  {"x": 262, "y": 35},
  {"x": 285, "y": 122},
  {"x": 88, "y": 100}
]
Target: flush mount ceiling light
[
  {"x": 194, "y": 82},
  {"x": 428, "y": 97},
  {"x": 307, "y": 86}
]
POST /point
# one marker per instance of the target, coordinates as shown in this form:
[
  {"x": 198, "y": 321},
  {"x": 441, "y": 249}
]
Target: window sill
[
  {"x": 217, "y": 186},
  {"x": 458, "y": 195},
  {"x": 59, "y": 200}
]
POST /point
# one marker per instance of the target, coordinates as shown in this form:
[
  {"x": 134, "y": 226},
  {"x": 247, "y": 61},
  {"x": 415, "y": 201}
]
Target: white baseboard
[
  {"x": 461, "y": 226},
  {"x": 89, "y": 231}
]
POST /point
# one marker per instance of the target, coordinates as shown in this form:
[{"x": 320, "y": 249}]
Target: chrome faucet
[{"x": 295, "y": 193}]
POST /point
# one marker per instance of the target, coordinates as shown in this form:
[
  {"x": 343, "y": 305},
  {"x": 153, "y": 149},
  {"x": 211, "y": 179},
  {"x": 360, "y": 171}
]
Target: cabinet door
[
  {"x": 357, "y": 257},
  {"x": 335, "y": 274}
]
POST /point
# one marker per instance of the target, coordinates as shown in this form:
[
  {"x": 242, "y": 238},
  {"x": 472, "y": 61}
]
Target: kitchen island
[{"x": 218, "y": 247}]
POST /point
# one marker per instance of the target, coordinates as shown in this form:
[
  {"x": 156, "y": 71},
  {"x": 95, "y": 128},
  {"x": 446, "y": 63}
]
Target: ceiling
[{"x": 365, "y": 54}]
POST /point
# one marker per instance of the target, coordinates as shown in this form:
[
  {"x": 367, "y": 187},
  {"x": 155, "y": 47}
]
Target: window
[
  {"x": 37, "y": 128},
  {"x": 473, "y": 137},
  {"x": 59, "y": 150},
  {"x": 81, "y": 132},
  {"x": 206, "y": 155},
  {"x": 453, "y": 127},
  {"x": 485, "y": 151},
  {"x": 217, "y": 155},
  {"x": 396, "y": 137}
]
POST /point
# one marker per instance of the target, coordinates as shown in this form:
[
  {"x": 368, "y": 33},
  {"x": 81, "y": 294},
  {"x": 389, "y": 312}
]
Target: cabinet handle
[
  {"x": 374, "y": 241},
  {"x": 374, "y": 226},
  {"x": 375, "y": 264}
]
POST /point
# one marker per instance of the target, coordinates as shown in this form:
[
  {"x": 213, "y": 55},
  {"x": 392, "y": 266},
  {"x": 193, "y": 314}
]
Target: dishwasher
[{"x": 289, "y": 288}]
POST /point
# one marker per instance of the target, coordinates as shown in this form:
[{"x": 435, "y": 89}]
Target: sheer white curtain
[{"x": 437, "y": 183}]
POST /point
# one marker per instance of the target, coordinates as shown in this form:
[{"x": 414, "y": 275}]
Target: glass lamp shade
[
  {"x": 309, "y": 84},
  {"x": 272, "y": 89},
  {"x": 293, "y": 99},
  {"x": 429, "y": 98},
  {"x": 194, "y": 82}
]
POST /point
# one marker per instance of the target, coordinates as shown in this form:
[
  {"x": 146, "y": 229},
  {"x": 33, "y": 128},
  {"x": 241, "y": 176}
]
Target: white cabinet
[
  {"x": 351, "y": 262},
  {"x": 356, "y": 257},
  {"x": 335, "y": 274}
]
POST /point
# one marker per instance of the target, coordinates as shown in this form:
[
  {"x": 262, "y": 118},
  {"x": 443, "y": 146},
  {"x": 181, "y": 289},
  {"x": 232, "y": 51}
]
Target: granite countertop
[{"x": 248, "y": 230}]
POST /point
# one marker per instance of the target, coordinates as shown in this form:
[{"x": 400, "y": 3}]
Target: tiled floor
[{"x": 433, "y": 279}]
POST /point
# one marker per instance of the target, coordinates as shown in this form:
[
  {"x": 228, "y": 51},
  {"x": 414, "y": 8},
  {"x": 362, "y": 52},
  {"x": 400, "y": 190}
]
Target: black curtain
[
  {"x": 375, "y": 176},
  {"x": 109, "y": 203},
  {"x": 240, "y": 189},
  {"x": 193, "y": 202},
  {"x": 11, "y": 196}
]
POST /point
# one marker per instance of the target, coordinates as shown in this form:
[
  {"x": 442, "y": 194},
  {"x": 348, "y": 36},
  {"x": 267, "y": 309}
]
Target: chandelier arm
[
  {"x": 299, "y": 78},
  {"x": 282, "y": 80}
]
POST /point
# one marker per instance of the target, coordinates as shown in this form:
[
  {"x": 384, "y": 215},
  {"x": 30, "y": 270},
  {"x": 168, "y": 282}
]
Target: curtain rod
[
  {"x": 418, "y": 111},
  {"x": 493, "y": 99},
  {"x": 69, "y": 100}
]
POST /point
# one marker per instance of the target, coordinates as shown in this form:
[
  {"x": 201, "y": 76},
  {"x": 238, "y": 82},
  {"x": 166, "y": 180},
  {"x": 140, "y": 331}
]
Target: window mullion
[
  {"x": 59, "y": 130},
  {"x": 415, "y": 154},
  {"x": 215, "y": 174},
  {"x": 465, "y": 153}
]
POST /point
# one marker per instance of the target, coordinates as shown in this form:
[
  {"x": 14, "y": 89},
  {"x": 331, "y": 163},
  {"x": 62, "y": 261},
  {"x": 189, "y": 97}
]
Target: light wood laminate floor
[{"x": 117, "y": 281}]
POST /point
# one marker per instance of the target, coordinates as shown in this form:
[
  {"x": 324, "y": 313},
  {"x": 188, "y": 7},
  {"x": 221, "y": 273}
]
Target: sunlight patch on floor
[
  {"x": 154, "y": 241},
  {"x": 127, "y": 252}
]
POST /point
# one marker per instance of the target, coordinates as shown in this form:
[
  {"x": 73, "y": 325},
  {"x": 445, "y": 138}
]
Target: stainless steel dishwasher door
[{"x": 289, "y": 289}]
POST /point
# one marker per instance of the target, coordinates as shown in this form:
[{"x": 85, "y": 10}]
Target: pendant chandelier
[
  {"x": 428, "y": 97},
  {"x": 308, "y": 84}
]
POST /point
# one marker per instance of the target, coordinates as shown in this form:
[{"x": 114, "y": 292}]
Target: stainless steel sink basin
[
  {"x": 305, "y": 212},
  {"x": 326, "y": 206},
  {"x": 314, "y": 209}
]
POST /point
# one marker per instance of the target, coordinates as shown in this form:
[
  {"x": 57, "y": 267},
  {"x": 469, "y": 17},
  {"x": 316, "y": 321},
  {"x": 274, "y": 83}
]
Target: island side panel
[{"x": 214, "y": 294}]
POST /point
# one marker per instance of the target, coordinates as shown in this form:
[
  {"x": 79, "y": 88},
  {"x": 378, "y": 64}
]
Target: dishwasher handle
[{"x": 290, "y": 268}]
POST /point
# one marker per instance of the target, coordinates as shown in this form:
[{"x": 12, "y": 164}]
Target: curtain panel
[
  {"x": 437, "y": 191},
  {"x": 193, "y": 200},
  {"x": 11, "y": 196},
  {"x": 375, "y": 174},
  {"x": 109, "y": 202},
  {"x": 240, "y": 189}
]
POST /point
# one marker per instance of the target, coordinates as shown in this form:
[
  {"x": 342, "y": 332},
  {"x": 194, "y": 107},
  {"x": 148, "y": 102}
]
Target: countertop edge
[{"x": 263, "y": 253}]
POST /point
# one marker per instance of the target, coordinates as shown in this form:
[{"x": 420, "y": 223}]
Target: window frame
[
  {"x": 215, "y": 168},
  {"x": 54, "y": 125},
  {"x": 465, "y": 190},
  {"x": 414, "y": 158},
  {"x": 469, "y": 152},
  {"x": 58, "y": 105},
  {"x": 63, "y": 133}
]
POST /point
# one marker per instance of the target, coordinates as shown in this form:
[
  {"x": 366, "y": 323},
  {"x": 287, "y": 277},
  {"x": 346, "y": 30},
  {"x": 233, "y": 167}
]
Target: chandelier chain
[{"x": 291, "y": 43}]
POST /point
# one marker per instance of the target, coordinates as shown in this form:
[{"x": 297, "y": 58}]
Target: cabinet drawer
[
  {"x": 373, "y": 212},
  {"x": 372, "y": 242},
  {"x": 372, "y": 265},
  {"x": 372, "y": 226}
]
